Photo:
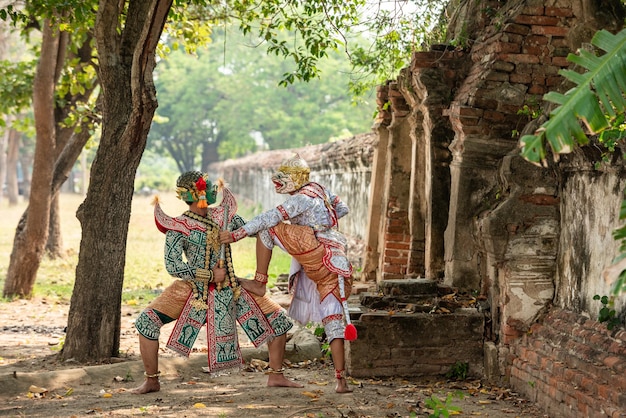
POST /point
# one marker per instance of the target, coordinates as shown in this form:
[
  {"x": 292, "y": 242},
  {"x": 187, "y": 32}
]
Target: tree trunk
[
  {"x": 54, "y": 245},
  {"x": 127, "y": 60},
  {"x": 4, "y": 142},
  {"x": 13, "y": 148},
  {"x": 26, "y": 164},
  {"x": 28, "y": 247},
  {"x": 209, "y": 154}
]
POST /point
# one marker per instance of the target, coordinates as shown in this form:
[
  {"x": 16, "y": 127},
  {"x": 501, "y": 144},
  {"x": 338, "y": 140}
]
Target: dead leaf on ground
[
  {"x": 312, "y": 395},
  {"x": 318, "y": 383}
]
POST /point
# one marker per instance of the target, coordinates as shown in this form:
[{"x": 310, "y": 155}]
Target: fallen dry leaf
[
  {"x": 311, "y": 394},
  {"x": 318, "y": 383}
]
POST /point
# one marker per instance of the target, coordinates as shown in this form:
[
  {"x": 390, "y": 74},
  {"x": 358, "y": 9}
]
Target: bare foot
[
  {"x": 149, "y": 385},
  {"x": 279, "y": 380},
  {"x": 342, "y": 386},
  {"x": 253, "y": 287}
]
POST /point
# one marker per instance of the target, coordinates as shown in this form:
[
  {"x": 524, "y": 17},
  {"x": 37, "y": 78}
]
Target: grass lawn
[{"x": 144, "y": 273}]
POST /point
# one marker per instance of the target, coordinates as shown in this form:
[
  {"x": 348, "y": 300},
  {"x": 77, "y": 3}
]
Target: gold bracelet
[
  {"x": 272, "y": 371},
  {"x": 157, "y": 374}
]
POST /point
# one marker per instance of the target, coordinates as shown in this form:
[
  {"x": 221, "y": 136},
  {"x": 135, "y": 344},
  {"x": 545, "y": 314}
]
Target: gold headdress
[
  {"x": 297, "y": 169},
  {"x": 195, "y": 186}
]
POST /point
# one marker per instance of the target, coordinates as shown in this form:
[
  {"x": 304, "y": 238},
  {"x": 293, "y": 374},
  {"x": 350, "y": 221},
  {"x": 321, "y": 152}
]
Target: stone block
[
  {"x": 408, "y": 287},
  {"x": 416, "y": 344}
]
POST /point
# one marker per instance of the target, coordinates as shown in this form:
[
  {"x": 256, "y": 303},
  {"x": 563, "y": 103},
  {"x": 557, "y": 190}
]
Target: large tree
[
  {"x": 24, "y": 263},
  {"x": 127, "y": 34},
  {"x": 61, "y": 133}
]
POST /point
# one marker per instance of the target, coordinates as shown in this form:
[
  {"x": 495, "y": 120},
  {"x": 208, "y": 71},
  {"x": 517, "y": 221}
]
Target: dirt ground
[{"x": 33, "y": 383}]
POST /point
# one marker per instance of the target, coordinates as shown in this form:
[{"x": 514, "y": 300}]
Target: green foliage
[
  {"x": 597, "y": 99},
  {"x": 314, "y": 26},
  {"x": 442, "y": 407},
  {"x": 394, "y": 34},
  {"x": 155, "y": 172},
  {"x": 320, "y": 333},
  {"x": 607, "y": 313},
  {"x": 226, "y": 96},
  {"x": 16, "y": 87},
  {"x": 458, "y": 371}
]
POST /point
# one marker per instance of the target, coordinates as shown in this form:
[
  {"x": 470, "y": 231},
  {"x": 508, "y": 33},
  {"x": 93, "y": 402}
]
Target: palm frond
[{"x": 598, "y": 97}]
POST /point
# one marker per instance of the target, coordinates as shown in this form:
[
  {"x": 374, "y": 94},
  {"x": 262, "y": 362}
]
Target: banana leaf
[{"x": 598, "y": 97}]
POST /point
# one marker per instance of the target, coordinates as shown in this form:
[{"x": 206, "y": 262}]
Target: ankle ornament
[
  {"x": 157, "y": 374},
  {"x": 260, "y": 278},
  {"x": 272, "y": 371},
  {"x": 340, "y": 374}
]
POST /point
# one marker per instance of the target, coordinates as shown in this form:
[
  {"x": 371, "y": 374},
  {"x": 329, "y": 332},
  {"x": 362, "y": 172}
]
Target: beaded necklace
[{"x": 212, "y": 244}]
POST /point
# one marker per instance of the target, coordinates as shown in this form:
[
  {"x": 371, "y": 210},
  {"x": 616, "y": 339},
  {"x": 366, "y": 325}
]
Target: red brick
[
  {"x": 514, "y": 28},
  {"x": 611, "y": 361},
  {"x": 484, "y": 103},
  {"x": 538, "y": 79},
  {"x": 396, "y": 261},
  {"x": 512, "y": 48},
  {"x": 494, "y": 116},
  {"x": 519, "y": 58},
  {"x": 520, "y": 78},
  {"x": 537, "y": 89},
  {"x": 535, "y": 50},
  {"x": 554, "y": 81},
  {"x": 550, "y": 30},
  {"x": 514, "y": 38},
  {"x": 497, "y": 76},
  {"x": 559, "y": 11},
  {"x": 476, "y": 130},
  {"x": 604, "y": 391},
  {"x": 589, "y": 385},
  {"x": 391, "y": 253},
  {"x": 536, "y": 40},
  {"x": 509, "y": 109},
  {"x": 394, "y": 269},
  {"x": 503, "y": 66},
  {"x": 470, "y": 121},
  {"x": 536, "y": 20},
  {"x": 469, "y": 111},
  {"x": 396, "y": 229}
]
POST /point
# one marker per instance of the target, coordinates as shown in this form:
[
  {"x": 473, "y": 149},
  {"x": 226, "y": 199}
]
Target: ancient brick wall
[
  {"x": 572, "y": 366},
  {"x": 528, "y": 240}
]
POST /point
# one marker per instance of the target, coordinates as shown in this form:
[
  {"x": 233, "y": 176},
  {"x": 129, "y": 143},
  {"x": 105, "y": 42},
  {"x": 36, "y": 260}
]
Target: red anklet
[{"x": 260, "y": 277}]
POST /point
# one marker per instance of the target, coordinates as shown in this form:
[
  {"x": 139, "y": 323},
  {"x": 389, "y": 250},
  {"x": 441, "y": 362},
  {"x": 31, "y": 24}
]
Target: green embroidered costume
[{"x": 192, "y": 250}]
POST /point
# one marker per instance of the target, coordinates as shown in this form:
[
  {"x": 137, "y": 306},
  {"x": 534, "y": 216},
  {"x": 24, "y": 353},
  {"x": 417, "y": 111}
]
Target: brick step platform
[{"x": 415, "y": 327}]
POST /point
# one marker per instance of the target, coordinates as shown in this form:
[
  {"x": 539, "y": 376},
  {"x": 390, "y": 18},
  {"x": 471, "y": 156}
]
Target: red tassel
[{"x": 350, "y": 333}]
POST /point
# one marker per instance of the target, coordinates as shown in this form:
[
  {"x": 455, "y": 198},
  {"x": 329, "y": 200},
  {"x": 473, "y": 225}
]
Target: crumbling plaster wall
[{"x": 592, "y": 195}]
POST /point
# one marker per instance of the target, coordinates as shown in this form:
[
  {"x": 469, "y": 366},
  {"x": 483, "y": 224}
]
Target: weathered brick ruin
[{"x": 452, "y": 205}]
